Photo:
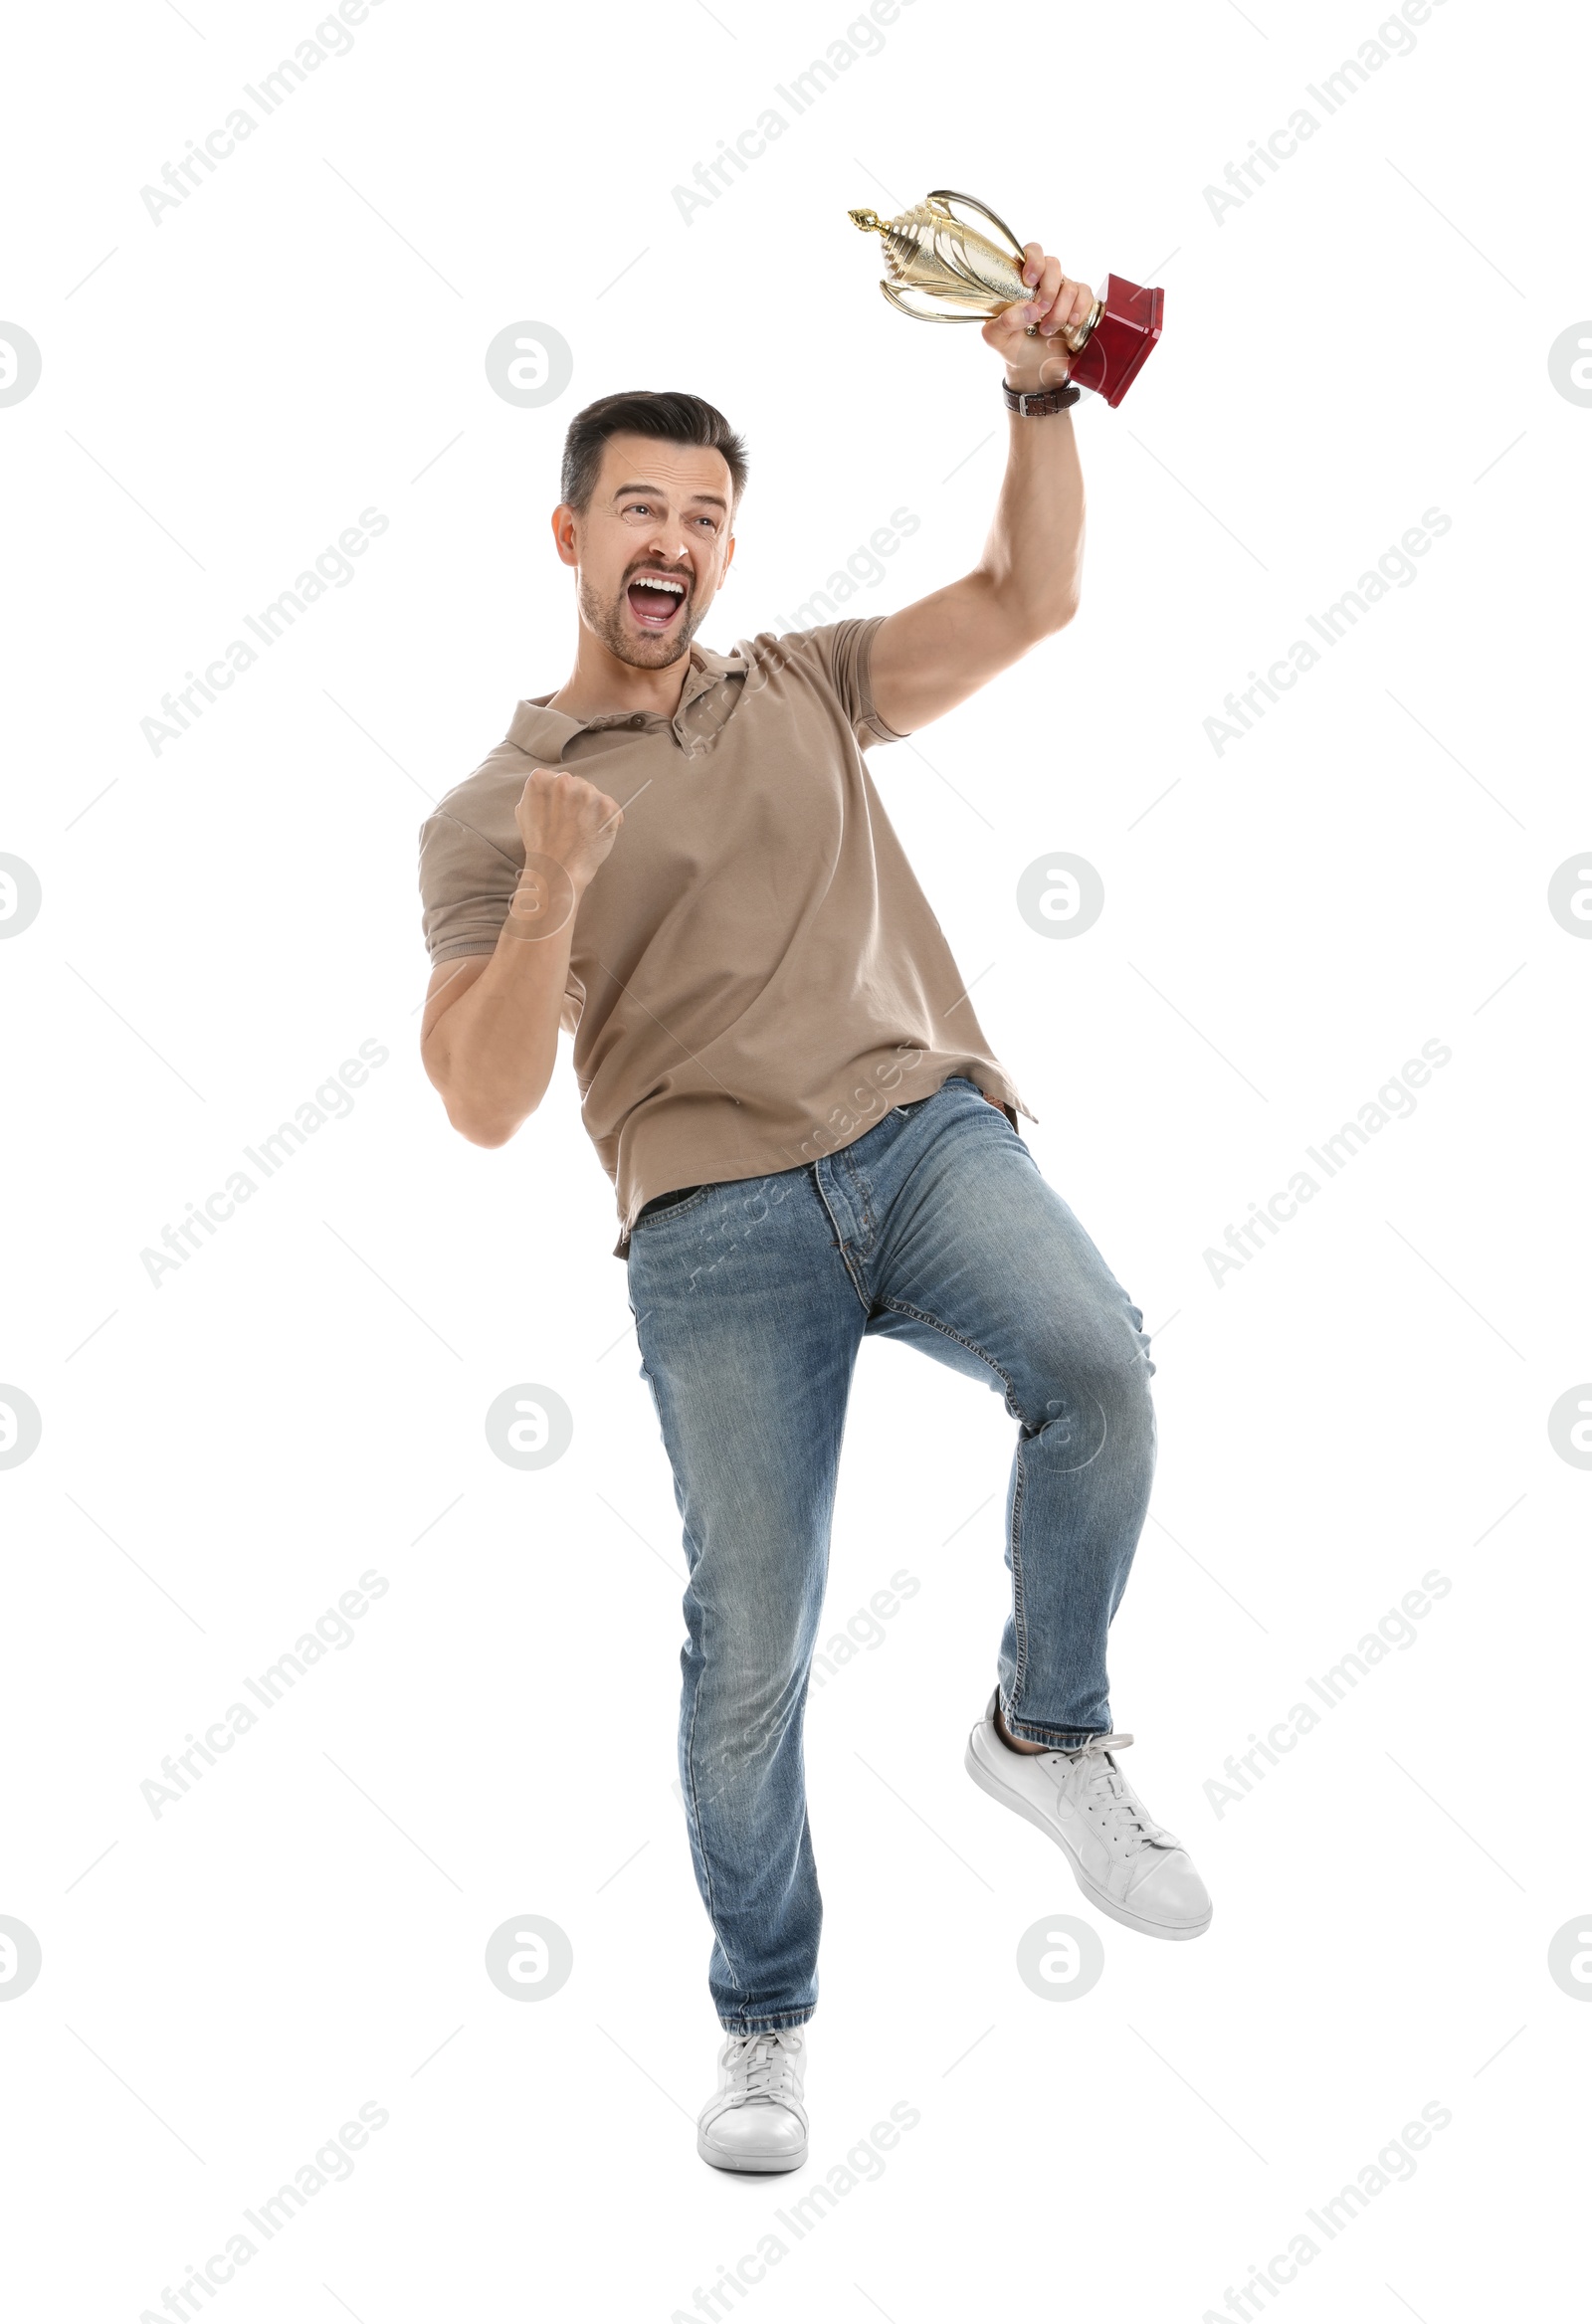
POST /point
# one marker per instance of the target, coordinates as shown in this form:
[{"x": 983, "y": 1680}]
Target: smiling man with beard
[{"x": 680, "y": 857}]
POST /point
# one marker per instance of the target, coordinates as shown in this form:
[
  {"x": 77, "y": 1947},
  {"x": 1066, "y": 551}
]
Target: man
[{"x": 680, "y": 857}]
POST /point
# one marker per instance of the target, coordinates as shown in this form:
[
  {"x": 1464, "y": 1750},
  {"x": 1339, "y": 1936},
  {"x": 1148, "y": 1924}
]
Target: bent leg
[{"x": 982, "y": 1264}]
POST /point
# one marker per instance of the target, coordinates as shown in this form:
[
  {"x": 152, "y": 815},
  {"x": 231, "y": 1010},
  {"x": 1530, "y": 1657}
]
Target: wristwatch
[{"x": 1037, "y": 401}]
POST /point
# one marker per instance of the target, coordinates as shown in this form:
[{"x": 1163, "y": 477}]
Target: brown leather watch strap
[{"x": 1035, "y": 402}]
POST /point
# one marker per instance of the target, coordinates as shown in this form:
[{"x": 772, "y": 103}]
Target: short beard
[{"x": 642, "y": 653}]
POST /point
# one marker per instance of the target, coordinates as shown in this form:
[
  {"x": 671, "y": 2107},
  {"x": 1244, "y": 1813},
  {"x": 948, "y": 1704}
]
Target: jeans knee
[
  {"x": 1085, "y": 1403},
  {"x": 750, "y": 1668}
]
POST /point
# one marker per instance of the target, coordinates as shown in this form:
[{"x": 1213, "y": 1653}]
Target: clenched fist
[
  {"x": 567, "y": 826},
  {"x": 1055, "y": 303}
]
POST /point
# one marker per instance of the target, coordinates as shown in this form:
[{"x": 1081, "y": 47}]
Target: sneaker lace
[
  {"x": 760, "y": 2066},
  {"x": 1109, "y": 1792}
]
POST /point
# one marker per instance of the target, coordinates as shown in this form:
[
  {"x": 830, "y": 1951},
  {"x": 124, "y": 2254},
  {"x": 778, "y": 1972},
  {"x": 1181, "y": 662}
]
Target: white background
[{"x": 1365, "y": 339}]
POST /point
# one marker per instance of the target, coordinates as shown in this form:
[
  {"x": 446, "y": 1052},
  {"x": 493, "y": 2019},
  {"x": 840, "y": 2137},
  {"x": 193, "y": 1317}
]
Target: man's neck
[{"x": 602, "y": 686}]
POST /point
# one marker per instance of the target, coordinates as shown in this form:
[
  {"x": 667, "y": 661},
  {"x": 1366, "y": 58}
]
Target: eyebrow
[{"x": 716, "y": 498}]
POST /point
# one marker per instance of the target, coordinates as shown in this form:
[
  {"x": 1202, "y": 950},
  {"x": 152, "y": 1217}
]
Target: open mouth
[{"x": 656, "y": 600}]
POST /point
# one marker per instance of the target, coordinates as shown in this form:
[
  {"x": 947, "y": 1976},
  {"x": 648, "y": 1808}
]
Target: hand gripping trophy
[{"x": 929, "y": 251}]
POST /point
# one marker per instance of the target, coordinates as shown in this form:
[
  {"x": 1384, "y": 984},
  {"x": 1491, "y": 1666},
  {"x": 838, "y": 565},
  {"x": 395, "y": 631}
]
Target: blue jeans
[{"x": 752, "y": 1298}]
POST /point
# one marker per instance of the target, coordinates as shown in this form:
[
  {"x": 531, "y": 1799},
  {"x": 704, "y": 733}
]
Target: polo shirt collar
[{"x": 543, "y": 733}]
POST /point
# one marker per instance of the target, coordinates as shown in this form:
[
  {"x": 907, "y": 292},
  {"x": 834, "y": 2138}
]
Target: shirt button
[{"x": 638, "y": 720}]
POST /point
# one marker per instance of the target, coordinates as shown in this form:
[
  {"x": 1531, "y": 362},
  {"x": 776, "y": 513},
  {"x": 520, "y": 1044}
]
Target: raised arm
[{"x": 932, "y": 655}]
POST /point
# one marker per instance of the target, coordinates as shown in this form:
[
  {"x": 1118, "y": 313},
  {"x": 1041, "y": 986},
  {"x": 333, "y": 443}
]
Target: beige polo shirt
[{"x": 755, "y": 976}]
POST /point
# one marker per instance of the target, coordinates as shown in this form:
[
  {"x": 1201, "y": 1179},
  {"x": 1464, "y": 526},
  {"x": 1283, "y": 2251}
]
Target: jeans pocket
[{"x": 668, "y": 1206}]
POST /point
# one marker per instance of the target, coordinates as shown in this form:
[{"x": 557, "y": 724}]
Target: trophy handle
[
  {"x": 943, "y": 197},
  {"x": 923, "y": 314},
  {"x": 940, "y": 199}
]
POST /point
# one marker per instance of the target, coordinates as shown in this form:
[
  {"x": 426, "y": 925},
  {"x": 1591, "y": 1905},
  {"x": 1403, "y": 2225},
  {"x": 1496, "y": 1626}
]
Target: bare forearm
[
  {"x": 490, "y": 1050},
  {"x": 932, "y": 655},
  {"x": 1034, "y": 557}
]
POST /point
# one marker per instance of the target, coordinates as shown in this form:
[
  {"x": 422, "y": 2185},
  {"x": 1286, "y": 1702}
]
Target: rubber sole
[
  {"x": 996, "y": 1790},
  {"x": 721, "y": 2162}
]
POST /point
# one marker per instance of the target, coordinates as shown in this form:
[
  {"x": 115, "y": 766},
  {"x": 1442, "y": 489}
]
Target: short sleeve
[
  {"x": 466, "y": 884},
  {"x": 841, "y": 655}
]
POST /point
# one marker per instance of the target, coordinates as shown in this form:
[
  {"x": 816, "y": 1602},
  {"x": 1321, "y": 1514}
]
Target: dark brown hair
[{"x": 673, "y": 418}]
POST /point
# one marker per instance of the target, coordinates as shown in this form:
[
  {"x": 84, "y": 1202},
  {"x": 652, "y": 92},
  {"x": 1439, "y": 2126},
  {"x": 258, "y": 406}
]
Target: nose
[{"x": 667, "y": 545}]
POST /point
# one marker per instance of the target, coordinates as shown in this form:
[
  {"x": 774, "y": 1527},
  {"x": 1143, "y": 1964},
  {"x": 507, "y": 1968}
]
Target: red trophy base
[{"x": 1129, "y": 325}]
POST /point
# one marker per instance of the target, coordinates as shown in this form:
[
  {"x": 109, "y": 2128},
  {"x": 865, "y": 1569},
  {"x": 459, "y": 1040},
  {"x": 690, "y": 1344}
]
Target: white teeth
[{"x": 657, "y": 581}]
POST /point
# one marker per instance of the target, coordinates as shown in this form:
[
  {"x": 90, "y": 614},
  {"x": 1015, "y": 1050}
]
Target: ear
[
  {"x": 729, "y": 556},
  {"x": 566, "y": 539}
]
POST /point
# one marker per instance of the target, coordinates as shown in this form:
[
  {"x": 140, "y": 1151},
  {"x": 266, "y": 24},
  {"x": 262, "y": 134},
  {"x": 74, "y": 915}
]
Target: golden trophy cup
[{"x": 931, "y": 253}]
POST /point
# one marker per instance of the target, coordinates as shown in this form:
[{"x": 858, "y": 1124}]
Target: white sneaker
[
  {"x": 755, "y": 2119},
  {"x": 1125, "y": 1864}
]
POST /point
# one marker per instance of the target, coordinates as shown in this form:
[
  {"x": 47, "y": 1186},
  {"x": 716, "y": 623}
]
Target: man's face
[{"x": 653, "y": 547}]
